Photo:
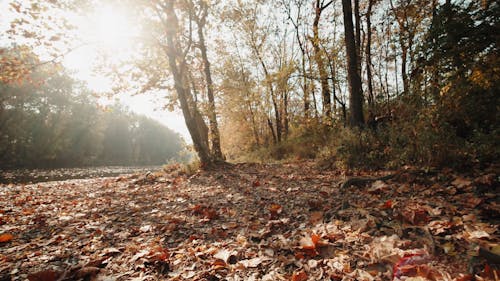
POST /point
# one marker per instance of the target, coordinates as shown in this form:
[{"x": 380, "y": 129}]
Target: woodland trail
[
  {"x": 25, "y": 176},
  {"x": 252, "y": 222}
]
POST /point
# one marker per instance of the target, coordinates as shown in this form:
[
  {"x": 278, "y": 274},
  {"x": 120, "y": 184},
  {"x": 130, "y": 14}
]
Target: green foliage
[
  {"x": 451, "y": 117},
  {"x": 59, "y": 124}
]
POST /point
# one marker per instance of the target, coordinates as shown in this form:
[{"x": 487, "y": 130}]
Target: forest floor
[{"x": 254, "y": 222}]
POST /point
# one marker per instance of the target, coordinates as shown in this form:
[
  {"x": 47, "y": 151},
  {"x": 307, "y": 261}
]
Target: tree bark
[
  {"x": 276, "y": 135},
  {"x": 353, "y": 75},
  {"x": 325, "y": 88},
  {"x": 304, "y": 86},
  {"x": 357, "y": 17},
  {"x": 212, "y": 116},
  {"x": 191, "y": 114},
  {"x": 371, "y": 97}
]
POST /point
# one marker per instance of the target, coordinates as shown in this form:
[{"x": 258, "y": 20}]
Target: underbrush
[
  {"x": 308, "y": 143},
  {"x": 424, "y": 142},
  {"x": 186, "y": 168}
]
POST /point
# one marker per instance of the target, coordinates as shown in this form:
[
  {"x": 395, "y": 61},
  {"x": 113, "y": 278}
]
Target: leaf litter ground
[{"x": 253, "y": 222}]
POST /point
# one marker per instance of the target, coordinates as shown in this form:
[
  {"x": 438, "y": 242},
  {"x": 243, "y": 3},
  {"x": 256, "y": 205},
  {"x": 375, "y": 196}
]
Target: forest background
[{"x": 367, "y": 83}]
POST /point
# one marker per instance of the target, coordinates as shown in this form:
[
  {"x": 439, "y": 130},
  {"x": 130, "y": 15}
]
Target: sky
[
  {"x": 110, "y": 29},
  {"x": 81, "y": 62}
]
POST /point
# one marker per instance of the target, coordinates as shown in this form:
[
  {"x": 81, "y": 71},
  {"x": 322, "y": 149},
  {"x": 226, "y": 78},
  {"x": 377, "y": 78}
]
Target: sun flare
[
  {"x": 107, "y": 30},
  {"x": 112, "y": 28}
]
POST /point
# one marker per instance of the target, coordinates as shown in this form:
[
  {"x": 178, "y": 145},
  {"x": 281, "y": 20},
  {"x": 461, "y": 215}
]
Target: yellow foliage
[{"x": 479, "y": 79}]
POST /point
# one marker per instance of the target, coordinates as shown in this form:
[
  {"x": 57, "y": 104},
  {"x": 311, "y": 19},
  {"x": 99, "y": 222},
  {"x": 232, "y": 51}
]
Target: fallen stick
[{"x": 359, "y": 181}]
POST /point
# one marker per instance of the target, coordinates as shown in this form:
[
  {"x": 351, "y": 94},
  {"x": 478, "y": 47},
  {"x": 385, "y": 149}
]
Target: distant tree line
[{"x": 59, "y": 124}]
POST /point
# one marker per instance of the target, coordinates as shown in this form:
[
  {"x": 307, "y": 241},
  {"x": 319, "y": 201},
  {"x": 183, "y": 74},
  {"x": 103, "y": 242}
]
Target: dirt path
[
  {"x": 25, "y": 176},
  {"x": 250, "y": 222}
]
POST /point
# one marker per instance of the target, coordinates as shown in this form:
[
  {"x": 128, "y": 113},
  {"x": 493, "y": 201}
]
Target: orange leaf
[
  {"x": 388, "y": 204},
  {"x": 299, "y": 276},
  {"x": 275, "y": 210},
  {"x": 160, "y": 253},
  {"x": 315, "y": 239},
  {"x": 6, "y": 237},
  {"x": 299, "y": 255},
  {"x": 309, "y": 243},
  {"x": 219, "y": 263}
]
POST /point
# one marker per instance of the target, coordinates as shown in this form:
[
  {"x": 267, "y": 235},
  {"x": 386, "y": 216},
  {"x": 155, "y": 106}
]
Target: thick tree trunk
[
  {"x": 212, "y": 116},
  {"x": 354, "y": 77},
  {"x": 192, "y": 117}
]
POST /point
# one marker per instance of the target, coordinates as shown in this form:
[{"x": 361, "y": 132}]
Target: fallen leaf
[
  {"x": 275, "y": 210},
  {"x": 460, "y": 182},
  {"x": 253, "y": 262},
  {"x": 6, "y": 237},
  {"x": 87, "y": 272},
  {"x": 387, "y": 205},
  {"x": 378, "y": 186},
  {"x": 146, "y": 228},
  {"x": 223, "y": 255},
  {"x": 477, "y": 234},
  {"x": 309, "y": 242},
  {"x": 316, "y": 217},
  {"x": 411, "y": 264},
  {"x": 299, "y": 276},
  {"x": 45, "y": 275}
]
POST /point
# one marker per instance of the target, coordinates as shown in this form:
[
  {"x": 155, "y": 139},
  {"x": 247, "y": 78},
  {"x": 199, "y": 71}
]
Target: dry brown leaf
[
  {"x": 316, "y": 217},
  {"x": 44, "y": 275},
  {"x": 87, "y": 272}
]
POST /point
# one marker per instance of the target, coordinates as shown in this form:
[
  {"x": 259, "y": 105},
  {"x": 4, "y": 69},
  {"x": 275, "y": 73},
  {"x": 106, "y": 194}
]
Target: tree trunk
[
  {"x": 325, "y": 90},
  {"x": 192, "y": 117},
  {"x": 354, "y": 77},
  {"x": 277, "y": 135},
  {"x": 435, "y": 67},
  {"x": 403, "y": 28},
  {"x": 404, "y": 58},
  {"x": 357, "y": 17},
  {"x": 277, "y": 116},
  {"x": 286, "y": 125},
  {"x": 305, "y": 90},
  {"x": 304, "y": 81},
  {"x": 371, "y": 97},
  {"x": 271, "y": 128},
  {"x": 214, "y": 129}
]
